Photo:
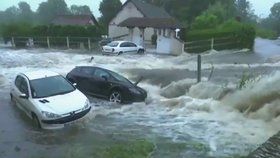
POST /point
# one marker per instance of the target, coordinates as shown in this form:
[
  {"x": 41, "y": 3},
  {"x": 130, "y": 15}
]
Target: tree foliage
[
  {"x": 275, "y": 11},
  {"x": 25, "y": 12},
  {"x": 205, "y": 21},
  {"x": 273, "y": 21},
  {"x": 80, "y": 10},
  {"x": 47, "y": 11},
  {"x": 109, "y": 9}
]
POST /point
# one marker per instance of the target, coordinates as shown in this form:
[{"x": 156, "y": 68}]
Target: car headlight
[
  {"x": 134, "y": 90},
  {"x": 50, "y": 115},
  {"x": 87, "y": 105}
]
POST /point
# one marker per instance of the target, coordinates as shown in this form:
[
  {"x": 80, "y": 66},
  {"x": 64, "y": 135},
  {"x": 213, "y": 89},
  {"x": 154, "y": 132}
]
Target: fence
[
  {"x": 55, "y": 42},
  {"x": 211, "y": 44}
]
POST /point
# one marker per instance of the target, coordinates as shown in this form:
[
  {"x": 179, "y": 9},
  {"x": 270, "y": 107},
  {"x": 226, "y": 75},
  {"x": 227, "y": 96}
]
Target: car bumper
[
  {"x": 65, "y": 120},
  {"x": 109, "y": 53},
  {"x": 136, "y": 98}
]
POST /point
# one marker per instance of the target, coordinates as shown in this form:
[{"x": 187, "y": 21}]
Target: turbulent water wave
[
  {"x": 205, "y": 90},
  {"x": 256, "y": 95},
  {"x": 224, "y": 120},
  {"x": 177, "y": 89},
  {"x": 3, "y": 80}
]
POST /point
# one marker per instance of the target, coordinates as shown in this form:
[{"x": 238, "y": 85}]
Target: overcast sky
[{"x": 261, "y": 7}]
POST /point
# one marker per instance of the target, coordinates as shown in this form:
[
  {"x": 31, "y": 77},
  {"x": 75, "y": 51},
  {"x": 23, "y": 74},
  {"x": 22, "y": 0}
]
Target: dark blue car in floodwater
[{"x": 100, "y": 82}]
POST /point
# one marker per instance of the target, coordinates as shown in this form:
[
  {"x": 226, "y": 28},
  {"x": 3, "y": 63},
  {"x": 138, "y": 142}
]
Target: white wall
[
  {"x": 168, "y": 44},
  {"x": 128, "y": 11},
  {"x": 177, "y": 47},
  {"x": 163, "y": 45}
]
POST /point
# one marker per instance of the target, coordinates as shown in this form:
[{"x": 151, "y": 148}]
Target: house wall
[
  {"x": 128, "y": 11},
  {"x": 167, "y": 43},
  {"x": 136, "y": 38},
  {"x": 163, "y": 45},
  {"x": 177, "y": 47}
]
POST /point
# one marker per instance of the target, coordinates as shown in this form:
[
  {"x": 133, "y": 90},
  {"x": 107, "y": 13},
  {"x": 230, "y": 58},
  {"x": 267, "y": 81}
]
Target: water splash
[
  {"x": 256, "y": 95},
  {"x": 180, "y": 111}
]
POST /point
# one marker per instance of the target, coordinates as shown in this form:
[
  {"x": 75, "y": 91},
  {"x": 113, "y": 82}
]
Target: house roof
[
  {"x": 74, "y": 20},
  {"x": 168, "y": 23},
  {"x": 149, "y": 10}
]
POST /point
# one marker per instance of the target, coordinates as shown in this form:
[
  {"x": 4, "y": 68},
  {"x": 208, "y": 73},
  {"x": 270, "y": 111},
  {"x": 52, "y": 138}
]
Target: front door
[
  {"x": 22, "y": 87},
  {"x": 102, "y": 82}
]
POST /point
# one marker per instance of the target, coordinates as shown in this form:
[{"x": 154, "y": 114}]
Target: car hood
[
  {"x": 62, "y": 104},
  {"x": 141, "y": 90}
]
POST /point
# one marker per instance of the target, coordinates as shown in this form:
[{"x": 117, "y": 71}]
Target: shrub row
[
  {"x": 27, "y": 30},
  {"x": 235, "y": 35}
]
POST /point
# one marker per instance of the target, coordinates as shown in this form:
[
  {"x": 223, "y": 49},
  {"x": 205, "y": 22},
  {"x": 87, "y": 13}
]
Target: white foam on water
[{"x": 172, "y": 111}]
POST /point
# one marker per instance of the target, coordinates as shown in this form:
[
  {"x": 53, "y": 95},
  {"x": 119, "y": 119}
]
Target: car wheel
[
  {"x": 141, "y": 51},
  {"x": 120, "y": 53},
  {"x": 36, "y": 121},
  {"x": 115, "y": 97}
]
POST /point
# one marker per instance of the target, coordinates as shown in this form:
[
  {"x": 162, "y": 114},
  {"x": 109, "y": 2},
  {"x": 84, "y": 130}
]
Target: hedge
[
  {"x": 236, "y": 36},
  {"x": 40, "y": 33}
]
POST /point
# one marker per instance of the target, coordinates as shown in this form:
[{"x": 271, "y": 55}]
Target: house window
[
  {"x": 159, "y": 31},
  {"x": 164, "y": 32}
]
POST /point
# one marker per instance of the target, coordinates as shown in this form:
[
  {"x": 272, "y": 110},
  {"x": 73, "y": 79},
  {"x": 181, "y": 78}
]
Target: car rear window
[{"x": 113, "y": 44}]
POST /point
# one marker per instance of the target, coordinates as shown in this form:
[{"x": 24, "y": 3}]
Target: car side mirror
[
  {"x": 23, "y": 96},
  {"x": 105, "y": 78}
]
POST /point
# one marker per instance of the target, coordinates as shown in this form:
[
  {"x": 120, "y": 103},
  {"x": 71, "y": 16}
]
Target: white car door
[
  {"x": 124, "y": 47},
  {"x": 133, "y": 47},
  {"x": 22, "y": 94}
]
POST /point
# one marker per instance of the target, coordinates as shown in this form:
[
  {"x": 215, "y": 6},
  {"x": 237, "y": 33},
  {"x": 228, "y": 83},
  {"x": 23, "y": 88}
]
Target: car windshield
[
  {"x": 50, "y": 86},
  {"x": 113, "y": 44},
  {"x": 120, "y": 78}
]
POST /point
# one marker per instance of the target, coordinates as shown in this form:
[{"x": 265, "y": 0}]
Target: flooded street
[{"x": 180, "y": 118}]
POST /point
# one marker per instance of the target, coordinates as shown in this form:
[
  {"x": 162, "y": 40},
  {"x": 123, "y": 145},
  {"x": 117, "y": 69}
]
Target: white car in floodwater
[
  {"x": 49, "y": 99},
  {"x": 120, "y": 47}
]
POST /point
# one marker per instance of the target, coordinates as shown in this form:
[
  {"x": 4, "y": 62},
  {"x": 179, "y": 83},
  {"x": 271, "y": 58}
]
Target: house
[
  {"x": 138, "y": 21},
  {"x": 80, "y": 20}
]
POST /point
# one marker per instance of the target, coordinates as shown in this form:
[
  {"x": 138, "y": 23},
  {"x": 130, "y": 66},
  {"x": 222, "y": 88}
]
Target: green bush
[
  {"x": 265, "y": 33},
  {"x": 58, "y": 33},
  {"x": 154, "y": 39},
  {"x": 13, "y": 30},
  {"x": 205, "y": 21},
  {"x": 245, "y": 36},
  {"x": 229, "y": 35}
]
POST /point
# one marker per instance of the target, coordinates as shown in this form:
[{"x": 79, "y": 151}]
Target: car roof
[
  {"x": 95, "y": 67},
  {"x": 33, "y": 75},
  {"x": 122, "y": 41}
]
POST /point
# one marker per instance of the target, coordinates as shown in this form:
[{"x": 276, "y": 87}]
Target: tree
[
  {"x": 80, "y": 10},
  {"x": 205, "y": 21},
  {"x": 11, "y": 14},
  {"x": 221, "y": 11},
  {"x": 47, "y": 11},
  {"x": 109, "y": 9},
  {"x": 184, "y": 10},
  {"x": 275, "y": 11},
  {"x": 26, "y": 14},
  {"x": 243, "y": 7},
  {"x": 275, "y": 17}
]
